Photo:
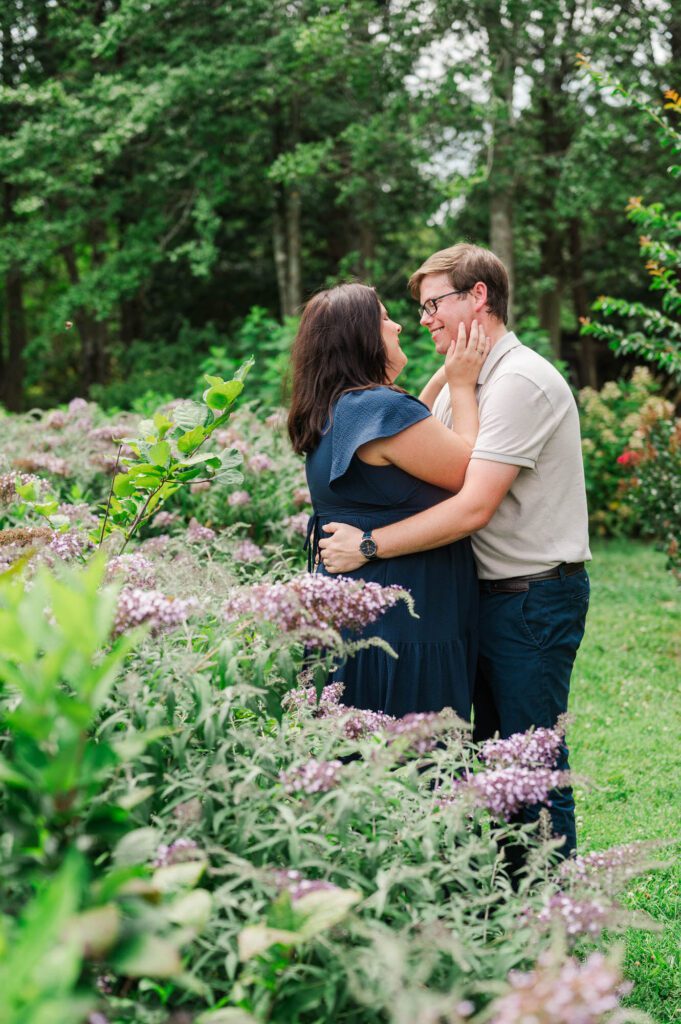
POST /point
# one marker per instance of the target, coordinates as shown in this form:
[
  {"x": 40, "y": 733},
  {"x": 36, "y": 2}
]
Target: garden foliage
[{"x": 194, "y": 823}]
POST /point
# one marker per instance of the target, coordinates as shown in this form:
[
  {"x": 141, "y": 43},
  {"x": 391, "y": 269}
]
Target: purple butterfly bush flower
[
  {"x": 572, "y": 993},
  {"x": 199, "y": 486},
  {"x": 301, "y": 496},
  {"x": 55, "y": 420},
  {"x": 162, "y": 520},
  {"x": 156, "y": 545},
  {"x": 503, "y": 791},
  {"x": 69, "y": 545},
  {"x": 260, "y": 462},
  {"x": 238, "y": 498},
  {"x": 198, "y": 534},
  {"x": 297, "y": 523},
  {"x": 8, "y": 485},
  {"x": 291, "y": 881},
  {"x": 246, "y": 551},
  {"x": 312, "y": 777},
  {"x": 138, "y": 607},
  {"x": 313, "y": 603},
  {"x": 610, "y": 868},
  {"x": 419, "y": 731},
  {"x": 178, "y": 852},
  {"x": 76, "y": 407},
  {"x": 305, "y": 697},
  {"x": 578, "y": 917},
  {"x": 47, "y": 463},
  {"x": 135, "y": 569},
  {"x": 538, "y": 747},
  {"x": 79, "y": 513}
]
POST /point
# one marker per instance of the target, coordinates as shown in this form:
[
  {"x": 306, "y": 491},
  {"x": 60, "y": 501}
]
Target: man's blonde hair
[{"x": 464, "y": 265}]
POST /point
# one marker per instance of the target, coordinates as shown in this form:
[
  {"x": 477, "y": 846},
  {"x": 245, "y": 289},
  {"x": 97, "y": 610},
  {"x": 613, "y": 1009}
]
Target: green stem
[{"x": 108, "y": 504}]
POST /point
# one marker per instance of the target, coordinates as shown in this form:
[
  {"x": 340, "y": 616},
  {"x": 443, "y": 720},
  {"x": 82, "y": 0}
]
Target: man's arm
[
  {"x": 433, "y": 388},
  {"x": 485, "y": 486}
]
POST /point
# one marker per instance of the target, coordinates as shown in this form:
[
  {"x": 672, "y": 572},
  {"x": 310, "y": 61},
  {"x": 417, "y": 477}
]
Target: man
[{"x": 523, "y": 501}]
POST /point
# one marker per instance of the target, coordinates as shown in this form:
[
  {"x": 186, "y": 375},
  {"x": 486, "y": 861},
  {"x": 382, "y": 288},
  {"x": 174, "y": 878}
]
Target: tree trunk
[
  {"x": 501, "y": 239},
  {"x": 552, "y": 271},
  {"x": 293, "y": 212},
  {"x": 588, "y": 367},
  {"x": 501, "y": 171},
  {"x": 12, "y": 384},
  {"x": 93, "y": 333},
  {"x": 13, "y": 377},
  {"x": 280, "y": 256}
]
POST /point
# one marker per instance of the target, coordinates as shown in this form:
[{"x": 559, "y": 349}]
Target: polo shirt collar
[{"x": 505, "y": 344}]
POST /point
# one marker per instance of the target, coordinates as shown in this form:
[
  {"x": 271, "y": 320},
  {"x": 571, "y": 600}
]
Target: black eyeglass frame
[{"x": 438, "y": 298}]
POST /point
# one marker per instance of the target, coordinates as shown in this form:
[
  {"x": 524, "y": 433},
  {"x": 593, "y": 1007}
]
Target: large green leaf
[{"x": 159, "y": 454}]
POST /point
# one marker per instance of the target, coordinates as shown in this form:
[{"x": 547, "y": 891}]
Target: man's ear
[{"x": 479, "y": 292}]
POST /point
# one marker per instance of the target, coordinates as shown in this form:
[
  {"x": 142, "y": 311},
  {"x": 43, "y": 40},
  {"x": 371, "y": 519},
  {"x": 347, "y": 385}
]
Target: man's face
[{"x": 451, "y": 310}]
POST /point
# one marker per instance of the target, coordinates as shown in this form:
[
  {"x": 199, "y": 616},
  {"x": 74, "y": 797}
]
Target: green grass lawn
[{"x": 626, "y": 739}]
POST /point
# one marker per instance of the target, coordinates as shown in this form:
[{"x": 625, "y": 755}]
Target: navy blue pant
[{"x": 528, "y": 643}]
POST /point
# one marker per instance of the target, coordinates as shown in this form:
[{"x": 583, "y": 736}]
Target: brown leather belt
[{"x": 517, "y": 584}]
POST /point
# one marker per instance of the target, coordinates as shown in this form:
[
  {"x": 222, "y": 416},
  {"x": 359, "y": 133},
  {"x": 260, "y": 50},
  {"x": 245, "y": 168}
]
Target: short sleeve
[
  {"x": 516, "y": 421},
  {"x": 363, "y": 416}
]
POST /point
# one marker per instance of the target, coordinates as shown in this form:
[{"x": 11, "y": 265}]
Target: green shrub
[
  {"x": 653, "y": 484},
  {"x": 609, "y": 418}
]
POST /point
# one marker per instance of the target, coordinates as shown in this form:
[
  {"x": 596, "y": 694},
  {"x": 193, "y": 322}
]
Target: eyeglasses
[{"x": 430, "y": 305}]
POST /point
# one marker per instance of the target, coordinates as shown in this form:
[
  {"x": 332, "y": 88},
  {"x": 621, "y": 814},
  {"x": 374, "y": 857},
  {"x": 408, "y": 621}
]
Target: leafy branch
[{"x": 167, "y": 455}]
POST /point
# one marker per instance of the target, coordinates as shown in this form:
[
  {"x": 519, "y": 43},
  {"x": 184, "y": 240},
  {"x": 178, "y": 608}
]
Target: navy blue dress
[{"x": 437, "y": 652}]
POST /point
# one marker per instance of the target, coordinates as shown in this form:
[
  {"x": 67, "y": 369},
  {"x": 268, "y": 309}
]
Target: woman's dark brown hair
[{"x": 338, "y": 347}]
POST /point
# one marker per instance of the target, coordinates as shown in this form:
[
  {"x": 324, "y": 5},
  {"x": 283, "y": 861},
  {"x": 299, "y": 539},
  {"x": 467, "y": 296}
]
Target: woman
[{"x": 375, "y": 455}]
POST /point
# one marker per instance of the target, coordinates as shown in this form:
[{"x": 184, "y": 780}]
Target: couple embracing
[{"x": 471, "y": 496}]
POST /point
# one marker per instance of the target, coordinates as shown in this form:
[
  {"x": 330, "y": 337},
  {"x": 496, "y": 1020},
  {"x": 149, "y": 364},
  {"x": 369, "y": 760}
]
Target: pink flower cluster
[
  {"x": 574, "y": 993},
  {"x": 162, "y": 520},
  {"x": 260, "y": 462},
  {"x": 297, "y": 523},
  {"x": 69, "y": 545},
  {"x": 238, "y": 498},
  {"x": 246, "y": 551},
  {"x": 529, "y": 749},
  {"x": 47, "y": 463},
  {"x": 8, "y": 485},
  {"x": 179, "y": 852},
  {"x": 419, "y": 731},
  {"x": 312, "y": 777},
  {"x": 301, "y": 496},
  {"x": 79, "y": 513},
  {"x": 578, "y": 917},
  {"x": 137, "y": 607},
  {"x": 312, "y": 603},
  {"x": 503, "y": 791},
  {"x": 292, "y": 881},
  {"x": 156, "y": 545},
  {"x": 610, "y": 868},
  {"x": 198, "y": 534},
  {"x": 135, "y": 569},
  {"x": 199, "y": 486}
]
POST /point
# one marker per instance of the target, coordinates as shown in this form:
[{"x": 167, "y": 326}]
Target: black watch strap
[{"x": 368, "y": 547}]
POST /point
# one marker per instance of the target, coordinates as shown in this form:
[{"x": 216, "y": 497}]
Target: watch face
[{"x": 368, "y": 548}]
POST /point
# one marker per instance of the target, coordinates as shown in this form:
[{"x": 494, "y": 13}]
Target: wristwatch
[{"x": 368, "y": 547}]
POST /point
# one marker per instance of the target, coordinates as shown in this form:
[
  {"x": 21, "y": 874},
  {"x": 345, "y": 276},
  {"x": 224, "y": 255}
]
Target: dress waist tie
[{"x": 311, "y": 544}]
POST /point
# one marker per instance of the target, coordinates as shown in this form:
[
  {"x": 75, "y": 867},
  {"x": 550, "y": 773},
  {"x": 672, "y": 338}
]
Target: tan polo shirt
[{"x": 528, "y": 418}]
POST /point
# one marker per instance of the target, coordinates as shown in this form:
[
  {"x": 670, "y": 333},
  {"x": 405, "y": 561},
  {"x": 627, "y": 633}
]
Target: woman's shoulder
[
  {"x": 379, "y": 398},
  {"x": 365, "y": 415}
]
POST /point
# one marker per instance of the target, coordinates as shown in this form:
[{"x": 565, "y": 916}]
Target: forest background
[{"x": 177, "y": 177}]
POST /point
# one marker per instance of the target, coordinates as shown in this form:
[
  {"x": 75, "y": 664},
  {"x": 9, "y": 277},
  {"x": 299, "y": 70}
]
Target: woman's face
[{"x": 390, "y": 332}]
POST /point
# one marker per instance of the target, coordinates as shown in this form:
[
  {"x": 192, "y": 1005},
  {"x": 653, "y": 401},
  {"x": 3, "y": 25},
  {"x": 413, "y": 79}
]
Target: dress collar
[{"x": 504, "y": 345}]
